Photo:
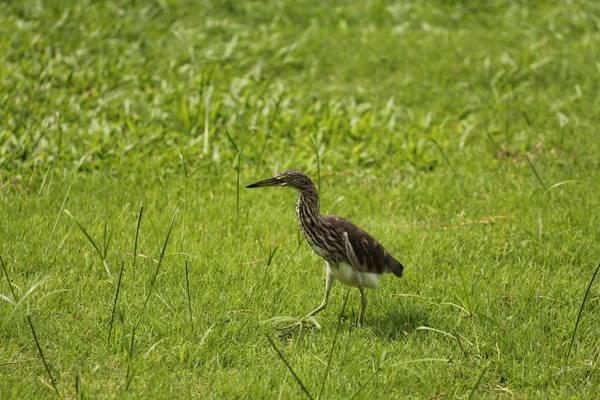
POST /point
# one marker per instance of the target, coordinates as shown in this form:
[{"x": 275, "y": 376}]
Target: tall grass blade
[
  {"x": 364, "y": 384},
  {"x": 446, "y": 158},
  {"x": 460, "y": 345},
  {"x": 571, "y": 181},
  {"x": 580, "y": 312},
  {"x": 56, "y": 223},
  {"x": 380, "y": 361},
  {"x": 489, "y": 135},
  {"x": 93, "y": 243},
  {"x": 104, "y": 240},
  {"x": 37, "y": 343},
  {"x": 479, "y": 379},
  {"x": 112, "y": 314},
  {"x": 538, "y": 176},
  {"x": 187, "y": 283},
  {"x": 60, "y": 136},
  {"x": 316, "y": 149},
  {"x": 237, "y": 150},
  {"x": 58, "y": 149},
  {"x": 207, "y": 97},
  {"x": 185, "y": 170},
  {"x": 507, "y": 123},
  {"x": 333, "y": 343},
  {"x": 236, "y": 163},
  {"x": 137, "y": 234},
  {"x": 289, "y": 367},
  {"x": 455, "y": 337},
  {"x": 43, "y": 185},
  {"x": 46, "y": 366},
  {"x": 283, "y": 384},
  {"x": 289, "y": 261},
  {"x": 152, "y": 283},
  {"x": 132, "y": 370},
  {"x": 185, "y": 174},
  {"x": 12, "y": 289},
  {"x": 427, "y": 328},
  {"x": 420, "y": 360},
  {"x": 107, "y": 237},
  {"x": 78, "y": 393}
]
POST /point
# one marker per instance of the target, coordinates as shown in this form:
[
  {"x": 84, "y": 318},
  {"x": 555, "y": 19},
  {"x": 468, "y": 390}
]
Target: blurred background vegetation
[{"x": 109, "y": 84}]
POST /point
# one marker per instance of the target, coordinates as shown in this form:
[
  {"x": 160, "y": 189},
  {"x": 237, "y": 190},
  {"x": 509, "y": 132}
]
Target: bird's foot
[{"x": 287, "y": 331}]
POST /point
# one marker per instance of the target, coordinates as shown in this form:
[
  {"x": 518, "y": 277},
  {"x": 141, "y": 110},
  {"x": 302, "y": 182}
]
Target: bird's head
[{"x": 292, "y": 177}]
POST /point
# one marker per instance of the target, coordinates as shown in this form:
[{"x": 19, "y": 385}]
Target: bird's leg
[
  {"x": 363, "y": 305},
  {"x": 363, "y": 299},
  {"x": 329, "y": 279}
]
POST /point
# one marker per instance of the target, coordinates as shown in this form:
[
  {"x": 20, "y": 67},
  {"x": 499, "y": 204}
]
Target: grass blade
[
  {"x": 538, "y": 177},
  {"x": 316, "y": 149},
  {"x": 87, "y": 235},
  {"x": 479, "y": 379},
  {"x": 237, "y": 150},
  {"x": 137, "y": 234},
  {"x": 445, "y": 158},
  {"x": 207, "y": 97},
  {"x": 43, "y": 185},
  {"x": 419, "y": 360},
  {"x": 187, "y": 283},
  {"x": 455, "y": 337},
  {"x": 364, "y": 384},
  {"x": 185, "y": 170},
  {"x": 112, "y": 314},
  {"x": 427, "y": 328},
  {"x": 106, "y": 239},
  {"x": 335, "y": 336},
  {"x": 56, "y": 224},
  {"x": 152, "y": 283},
  {"x": 489, "y": 135},
  {"x": 185, "y": 192},
  {"x": 12, "y": 289},
  {"x": 46, "y": 366},
  {"x": 57, "y": 153},
  {"x": 580, "y": 312},
  {"x": 37, "y": 342},
  {"x": 236, "y": 163},
  {"x": 289, "y": 367},
  {"x": 283, "y": 384},
  {"x": 571, "y": 181},
  {"x": 380, "y": 361}
]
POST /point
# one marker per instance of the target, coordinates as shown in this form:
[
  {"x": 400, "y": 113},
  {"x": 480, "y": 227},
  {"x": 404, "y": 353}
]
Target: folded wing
[{"x": 370, "y": 255}]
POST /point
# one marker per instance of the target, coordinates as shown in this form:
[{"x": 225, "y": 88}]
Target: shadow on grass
[{"x": 397, "y": 324}]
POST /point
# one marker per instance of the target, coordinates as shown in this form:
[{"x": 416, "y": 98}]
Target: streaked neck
[{"x": 307, "y": 206}]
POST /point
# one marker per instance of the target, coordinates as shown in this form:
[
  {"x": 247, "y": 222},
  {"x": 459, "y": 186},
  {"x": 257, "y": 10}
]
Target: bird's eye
[{"x": 287, "y": 178}]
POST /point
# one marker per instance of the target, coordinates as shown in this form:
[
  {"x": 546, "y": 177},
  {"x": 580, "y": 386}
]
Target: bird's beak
[{"x": 265, "y": 183}]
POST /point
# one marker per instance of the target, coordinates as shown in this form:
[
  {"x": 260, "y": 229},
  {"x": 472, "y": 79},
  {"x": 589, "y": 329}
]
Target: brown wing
[{"x": 370, "y": 254}]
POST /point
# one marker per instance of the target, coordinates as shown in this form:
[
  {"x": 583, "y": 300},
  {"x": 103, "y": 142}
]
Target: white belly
[{"x": 345, "y": 274}]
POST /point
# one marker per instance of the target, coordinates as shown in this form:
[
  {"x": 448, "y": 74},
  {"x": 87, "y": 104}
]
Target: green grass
[{"x": 436, "y": 126}]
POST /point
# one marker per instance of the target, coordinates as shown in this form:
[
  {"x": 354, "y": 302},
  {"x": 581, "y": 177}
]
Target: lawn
[{"x": 463, "y": 135}]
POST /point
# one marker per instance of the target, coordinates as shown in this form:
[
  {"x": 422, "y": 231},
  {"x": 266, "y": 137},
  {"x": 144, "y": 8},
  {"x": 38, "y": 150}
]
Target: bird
[{"x": 352, "y": 256}]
